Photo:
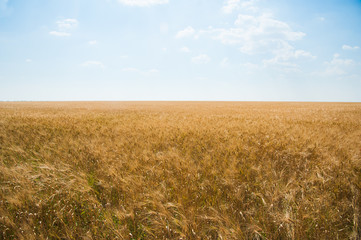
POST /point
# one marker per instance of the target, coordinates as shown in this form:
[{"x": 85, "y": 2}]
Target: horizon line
[{"x": 278, "y": 101}]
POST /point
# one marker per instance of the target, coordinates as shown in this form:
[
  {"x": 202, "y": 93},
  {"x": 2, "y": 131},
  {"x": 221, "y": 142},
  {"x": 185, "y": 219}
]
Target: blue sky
[{"x": 238, "y": 50}]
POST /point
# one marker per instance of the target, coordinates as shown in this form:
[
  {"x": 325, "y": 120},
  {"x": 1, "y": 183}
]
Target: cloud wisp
[
  {"x": 348, "y": 47},
  {"x": 339, "y": 67},
  {"x": 93, "y": 64},
  {"x": 92, "y": 42},
  {"x": 185, "y": 49},
  {"x": 187, "y": 32},
  {"x": 65, "y": 27},
  {"x": 255, "y": 34},
  {"x": 201, "y": 59},
  {"x": 232, "y": 5}
]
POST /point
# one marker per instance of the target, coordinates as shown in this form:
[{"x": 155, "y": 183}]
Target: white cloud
[
  {"x": 187, "y": 32},
  {"x": 65, "y": 27},
  {"x": 154, "y": 70},
  {"x": 256, "y": 31},
  {"x": 338, "y": 67},
  {"x": 93, "y": 64},
  {"x": 142, "y": 3},
  {"x": 201, "y": 59},
  {"x": 255, "y": 34},
  {"x": 28, "y": 60},
  {"x": 150, "y": 72},
  {"x": 276, "y": 62},
  {"x": 232, "y": 5},
  {"x": 337, "y": 61},
  {"x": 347, "y": 47},
  {"x": 284, "y": 57},
  {"x": 93, "y": 42},
  {"x": 265, "y": 26},
  {"x": 303, "y": 53},
  {"x": 67, "y": 24},
  {"x": 184, "y": 49},
  {"x": 59, "y": 34},
  {"x": 284, "y": 52},
  {"x": 251, "y": 66}
]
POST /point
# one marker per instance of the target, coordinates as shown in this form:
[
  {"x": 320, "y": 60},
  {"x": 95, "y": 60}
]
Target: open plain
[{"x": 180, "y": 170}]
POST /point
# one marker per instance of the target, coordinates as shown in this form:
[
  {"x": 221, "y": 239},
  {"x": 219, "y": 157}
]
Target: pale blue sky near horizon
[{"x": 231, "y": 50}]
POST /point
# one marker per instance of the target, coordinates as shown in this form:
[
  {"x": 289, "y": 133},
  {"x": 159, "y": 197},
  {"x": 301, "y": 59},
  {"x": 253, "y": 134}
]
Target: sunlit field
[{"x": 180, "y": 170}]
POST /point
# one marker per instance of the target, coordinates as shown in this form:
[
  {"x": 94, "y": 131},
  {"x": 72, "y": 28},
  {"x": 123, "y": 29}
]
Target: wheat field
[{"x": 180, "y": 170}]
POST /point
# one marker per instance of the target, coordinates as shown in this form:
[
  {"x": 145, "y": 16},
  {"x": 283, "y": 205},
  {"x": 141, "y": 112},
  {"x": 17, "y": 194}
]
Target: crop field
[{"x": 180, "y": 170}]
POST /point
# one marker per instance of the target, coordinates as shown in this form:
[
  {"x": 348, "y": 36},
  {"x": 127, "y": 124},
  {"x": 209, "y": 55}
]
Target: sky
[{"x": 220, "y": 50}]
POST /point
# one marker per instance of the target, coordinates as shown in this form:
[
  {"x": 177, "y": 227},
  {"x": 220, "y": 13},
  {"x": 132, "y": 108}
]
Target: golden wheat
[{"x": 180, "y": 170}]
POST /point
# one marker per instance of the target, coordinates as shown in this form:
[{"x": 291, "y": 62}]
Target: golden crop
[{"x": 180, "y": 170}]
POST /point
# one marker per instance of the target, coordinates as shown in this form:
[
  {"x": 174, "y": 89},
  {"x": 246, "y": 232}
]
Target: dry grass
[{"x": 182, "y": 170}]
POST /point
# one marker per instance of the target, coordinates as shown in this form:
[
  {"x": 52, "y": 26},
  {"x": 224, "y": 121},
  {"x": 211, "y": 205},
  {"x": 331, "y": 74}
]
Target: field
[{"x": 180, "y": 170}]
